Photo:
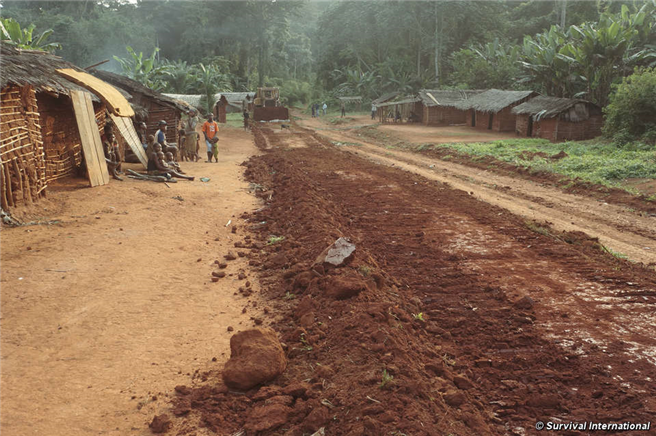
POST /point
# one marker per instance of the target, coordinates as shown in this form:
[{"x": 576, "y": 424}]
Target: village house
[{"x": 558, "y": 119}]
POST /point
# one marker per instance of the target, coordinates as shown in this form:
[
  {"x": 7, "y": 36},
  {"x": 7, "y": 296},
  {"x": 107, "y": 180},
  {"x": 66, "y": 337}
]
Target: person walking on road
[
  {"x": 325, "y": 106},
  {"x": 211, "y": 132},
  {"x": 373, "y": 111},
  {"x": 343, "y": 109}
]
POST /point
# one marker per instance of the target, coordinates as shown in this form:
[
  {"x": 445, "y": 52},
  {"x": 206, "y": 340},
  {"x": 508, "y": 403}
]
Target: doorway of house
[
  {"x": 529, "y": 129},
  {"x": 473, "y": 118},
  {"x": 489, "y": 126}
]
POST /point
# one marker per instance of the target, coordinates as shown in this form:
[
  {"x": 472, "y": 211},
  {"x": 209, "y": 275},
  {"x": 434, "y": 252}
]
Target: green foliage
[
  {"x": 493, "y": 65},
  {"x": 275, "y": 240},
  {"x": 296, "y": 92},
  {"x": 12, "y": 34},
  {"x": 419, "y": 316},
  {"x": 593, "y": 161},
  {"x": 386, "y": 381},
  {"x": 146, "y": 71},
  {"x": 631, "y": 114}
]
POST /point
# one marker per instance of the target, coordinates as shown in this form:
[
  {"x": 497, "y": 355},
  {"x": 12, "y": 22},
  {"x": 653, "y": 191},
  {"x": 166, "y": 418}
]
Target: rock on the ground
[
  {"x": 160, "y": 424},
  {"x": 525, "y": 303},
  {"x": 338, "y": 254},
  {"x": 256, "y": 356}
]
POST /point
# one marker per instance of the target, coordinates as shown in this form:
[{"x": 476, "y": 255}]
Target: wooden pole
[
  {"x": 10, "y": 195},
  {"x": 98, "y": 64},
  {"x": 5, "y": 203}
]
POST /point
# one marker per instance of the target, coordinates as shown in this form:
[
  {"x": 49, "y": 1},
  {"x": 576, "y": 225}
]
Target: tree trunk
[
  {"x": 437, "y": 46},
  {"x": 260, "y": 63},
  {"x": 563, "y": 13}
]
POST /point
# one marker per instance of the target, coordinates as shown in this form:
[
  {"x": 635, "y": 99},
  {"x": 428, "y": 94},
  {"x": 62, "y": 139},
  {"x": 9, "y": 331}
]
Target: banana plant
[
  {"x": 145, "y": 71},
  {"x": 211, "y": 80},
  {"x": 24, "y": 38}
]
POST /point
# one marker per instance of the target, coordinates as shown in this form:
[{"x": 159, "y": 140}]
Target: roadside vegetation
[{"x": 593, "y": 161}]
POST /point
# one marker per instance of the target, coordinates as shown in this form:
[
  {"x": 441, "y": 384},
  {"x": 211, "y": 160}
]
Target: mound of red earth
[
  {"x": 406, "y": 337},
  {"x": 256, "y": 356}
]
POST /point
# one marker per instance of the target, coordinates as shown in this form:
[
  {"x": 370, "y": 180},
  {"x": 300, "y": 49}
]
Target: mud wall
[
  {"x": 556, "y": 130},
  {"x": 157, "y": 112},
  {"x": 61, "y": 138},
  {"x": 440, "y": 115},
  {"x": 22, "y": 173}
]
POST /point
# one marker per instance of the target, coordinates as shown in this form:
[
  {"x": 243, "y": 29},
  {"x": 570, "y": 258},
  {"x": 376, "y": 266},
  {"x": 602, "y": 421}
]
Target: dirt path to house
[
  {"x": 104, "y": 312},
  {"x": 622, "y": 230}
]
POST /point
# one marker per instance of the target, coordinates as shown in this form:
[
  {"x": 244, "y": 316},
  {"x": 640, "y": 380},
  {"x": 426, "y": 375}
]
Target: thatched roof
[
  {"x": 385, "y": 98},
  {"x": 494, "y": 100},
  {"x": 448, "y": 98},
  {"x": 403, "y": 100},
  {"x": 137, "y": 90},
  {"x": 547, "y": 107},
  {"x": 37, "y": 69}
]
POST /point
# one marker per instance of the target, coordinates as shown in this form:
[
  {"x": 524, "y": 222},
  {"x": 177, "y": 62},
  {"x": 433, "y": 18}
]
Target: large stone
[
  {"x": 338, "y": 254},
  {"x": 256, "y": 357}
]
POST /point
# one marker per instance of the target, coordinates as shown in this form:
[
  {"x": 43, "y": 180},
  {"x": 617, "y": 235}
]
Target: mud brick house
[
  {"x": 558, "y": 119},
  {"x": 439, "y": 106},
  {"x": 40, "y": 138},
  {"x": 491, "y": 110},
  {"x": 409, "y": 109},
  {"x": 149, "y": 106}
]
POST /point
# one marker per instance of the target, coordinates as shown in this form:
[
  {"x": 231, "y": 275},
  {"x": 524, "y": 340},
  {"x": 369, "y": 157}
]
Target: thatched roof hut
[
  {"x": 558, "y": 119},
  {"x": 189, "y": 100},
  {"x": 491, "y": 110},
  {"x": 439, "y": 106},
  {"x": 40, "y": 135},
  {"x": 149, "y": 106},
  {"x": 406, "y": 108},
  {"x": 549, "y": 107}
]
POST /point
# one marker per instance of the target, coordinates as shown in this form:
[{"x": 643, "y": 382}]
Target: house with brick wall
[
  {"x": 492, "y": 109},
  {"x": 438, "y": 106},
  {"x": 558, "y": 119}
]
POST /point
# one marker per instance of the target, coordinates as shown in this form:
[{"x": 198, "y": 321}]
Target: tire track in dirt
[{"x": 618, "y": 229}]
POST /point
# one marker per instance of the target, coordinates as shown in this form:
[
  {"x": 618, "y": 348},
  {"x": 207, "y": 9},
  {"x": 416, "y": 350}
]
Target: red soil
[{"x": 485, "y": 326}]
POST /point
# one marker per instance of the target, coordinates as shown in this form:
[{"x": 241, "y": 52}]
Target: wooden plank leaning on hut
[
  {"x": 114, "y": 100},
  {"x": 94, "y": 155},
  {"x": 126, "y": 129}
]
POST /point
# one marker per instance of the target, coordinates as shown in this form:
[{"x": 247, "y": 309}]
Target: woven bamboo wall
[
  {"x": 22, "y": 172},
  {"x": 61, "y": 138},
  {"x": 157, "y": 112}
]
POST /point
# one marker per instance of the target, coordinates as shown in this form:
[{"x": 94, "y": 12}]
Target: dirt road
[
  {"x": 108, "y": 310},
  {"x": 454, "y": 317},
  {"x": 618, "y": 228}
]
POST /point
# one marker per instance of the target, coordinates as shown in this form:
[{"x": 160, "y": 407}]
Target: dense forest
[{"x": 316, "y": 49}]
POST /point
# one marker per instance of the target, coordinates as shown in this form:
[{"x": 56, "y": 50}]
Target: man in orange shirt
[{"x": 211, "y": 131}]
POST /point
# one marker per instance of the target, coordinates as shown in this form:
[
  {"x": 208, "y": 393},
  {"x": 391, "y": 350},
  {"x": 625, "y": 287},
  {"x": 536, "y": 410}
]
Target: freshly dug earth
[{"x": 459, "y": 319}]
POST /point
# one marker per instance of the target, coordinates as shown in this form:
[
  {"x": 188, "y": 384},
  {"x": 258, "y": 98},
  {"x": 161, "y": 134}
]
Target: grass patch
[
  {"x": 535, "y": 227},
  {"x": 593, "y": 161}
]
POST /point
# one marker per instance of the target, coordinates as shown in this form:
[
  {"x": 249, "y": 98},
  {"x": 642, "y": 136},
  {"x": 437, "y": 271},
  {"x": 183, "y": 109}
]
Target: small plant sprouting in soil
[
  {"x": 364, "y": 270},
  {"x": 615, "y": 254},
  {"x": 275, "y": 240},
  {"x": 289, "y": 296},
  {"x": 306, "y": 345},
  {"x": 534, "y": 227},
  {"x": 447, "y": 360},
  {"x": 419, "y": 316},
  {"x": 386, "y": 380}
]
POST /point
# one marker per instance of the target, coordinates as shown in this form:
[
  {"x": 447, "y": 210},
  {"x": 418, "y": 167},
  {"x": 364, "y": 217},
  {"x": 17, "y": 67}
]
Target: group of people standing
[{"x": 316, "y": 109}]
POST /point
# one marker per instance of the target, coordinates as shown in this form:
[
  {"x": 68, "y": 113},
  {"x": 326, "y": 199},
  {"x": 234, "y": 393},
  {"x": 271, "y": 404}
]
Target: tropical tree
[
  {"x": 145, "y": 71},
  {"x": 209, "y": 81},
  {"x": 24, "y": 38},
  {"x": 179, "y": 77}
]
